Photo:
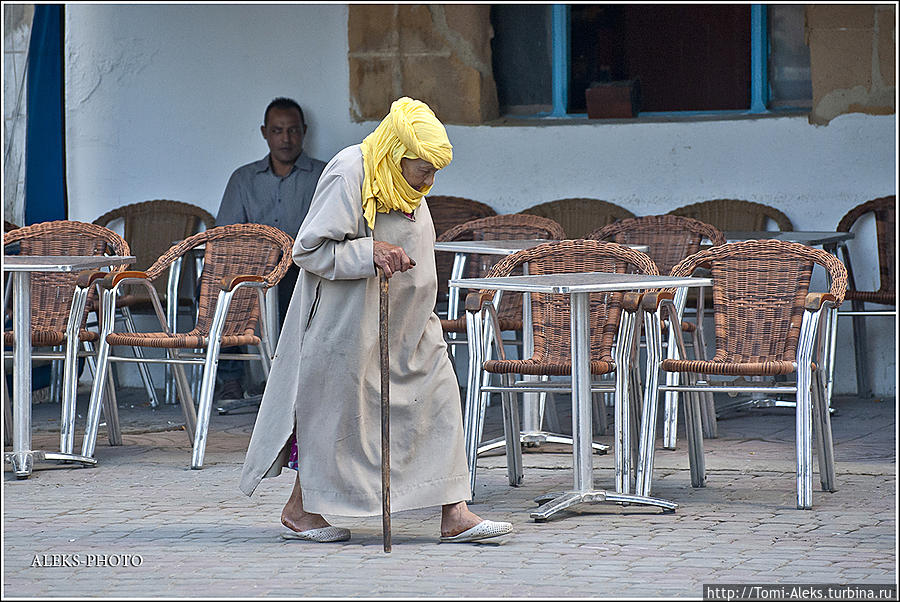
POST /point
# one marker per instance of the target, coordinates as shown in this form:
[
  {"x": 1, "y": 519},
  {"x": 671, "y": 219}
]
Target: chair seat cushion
[
  {"x": 730, "y": 368},
  {"x": 543, "y": 369},
  {"x": 46, "y": 338},
  {"x": 188, "y": 340}
]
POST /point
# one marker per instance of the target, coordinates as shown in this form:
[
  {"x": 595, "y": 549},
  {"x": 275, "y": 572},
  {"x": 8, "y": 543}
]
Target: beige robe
[{"x": 325, "y": 378}]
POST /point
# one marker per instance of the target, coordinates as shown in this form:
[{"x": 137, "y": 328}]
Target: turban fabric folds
[{"x": 409, "y": 131}]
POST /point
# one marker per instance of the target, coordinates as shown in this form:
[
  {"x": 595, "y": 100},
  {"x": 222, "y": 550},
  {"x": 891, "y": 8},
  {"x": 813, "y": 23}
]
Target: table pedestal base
[
  {"x": 535, "y": 439},
  {"x": 228, "y": 405},
  {"x": 23, "y": 462},
  {"x": 552, "y": 503}
]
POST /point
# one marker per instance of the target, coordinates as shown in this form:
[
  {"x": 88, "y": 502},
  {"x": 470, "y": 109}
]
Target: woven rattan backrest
[
  {"x": 501, "y": 227},
  {"x": 151, "y": 227},
  {"x": 579, "y": 216},
  {"x": 550, "y": 313},
  {"x": 759, "y": 293},
  {"x": 447, "y": 212},
  {"x": 51, "y": 292},
  {"x": 885, "y": 211},
  {"x": 669, "y": 238},
  {"x": 233, "y": 250},
  {"x": 734, "y": 214}
]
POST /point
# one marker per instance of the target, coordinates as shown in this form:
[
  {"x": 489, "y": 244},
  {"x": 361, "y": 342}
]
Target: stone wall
[
  {"x": 439, "y": 54},
  {"x": 852, "y": 58}
]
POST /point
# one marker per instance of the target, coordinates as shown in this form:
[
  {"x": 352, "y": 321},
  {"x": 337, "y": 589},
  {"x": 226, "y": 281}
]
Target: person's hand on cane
[{"x": 391, "y": 258}]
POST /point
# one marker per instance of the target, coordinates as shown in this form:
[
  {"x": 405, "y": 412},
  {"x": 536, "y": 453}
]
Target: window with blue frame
[{"x": 702, "y": 58}]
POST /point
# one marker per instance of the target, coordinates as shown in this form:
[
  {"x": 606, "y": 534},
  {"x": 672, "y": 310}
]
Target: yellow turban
[{"x": 409, "y": 131}]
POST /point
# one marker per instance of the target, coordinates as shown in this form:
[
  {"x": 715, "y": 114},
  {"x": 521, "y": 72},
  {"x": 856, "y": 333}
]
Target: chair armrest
[
  {"x": 87, "y": 277},
  {"x": 651, "y": 301},
  {"x": 631, "y": 301},
  {"x": 666, "y": 300},
  {"x": 475, "y": 301},
  {"x": 112, "y": 280},
  {"x": 228, "y": 283},
  {"x": 814, "y": 301}
]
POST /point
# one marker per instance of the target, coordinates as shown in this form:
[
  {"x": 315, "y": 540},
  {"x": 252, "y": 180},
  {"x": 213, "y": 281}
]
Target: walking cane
[{"x": 385, "y": 413}]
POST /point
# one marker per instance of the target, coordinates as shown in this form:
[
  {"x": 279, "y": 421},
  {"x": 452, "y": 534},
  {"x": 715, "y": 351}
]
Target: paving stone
[{"x": 198, "y": 536}]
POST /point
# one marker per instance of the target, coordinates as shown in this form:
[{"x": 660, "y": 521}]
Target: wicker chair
[
  {"x": 579, "y": 216},
  {"x": 241, "y": 260},
  {"x": 733, "y": 214},
  {"x": 884, "y": 210},
  {"x": 498, "y": 227},
  {"x": 447, "y": 212},
  {"x": 151, "y": 227},
  {"x": 767, "y": 325},
  {"x": 552, "y": 347},
  {"x": 56, "y": 295},
  {"x": 670, "y": 239}
]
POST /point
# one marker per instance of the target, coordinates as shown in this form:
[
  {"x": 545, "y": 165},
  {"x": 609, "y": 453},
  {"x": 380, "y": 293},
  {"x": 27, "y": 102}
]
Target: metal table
[
  {"x": 22, "y": 456},
  {"x": 812, "y": 238},
  {"x": 579, "y": 286},
  {"x": 531, "y": 414}
]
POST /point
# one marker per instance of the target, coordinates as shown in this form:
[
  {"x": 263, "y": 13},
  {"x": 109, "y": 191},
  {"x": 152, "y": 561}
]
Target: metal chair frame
[
  {"x": 181, "y": 220},
  {"x": 684, "y": 236},
  {"x": 196, "y": 421},
  {"x": 885, "y": 211},
  {"x": 812, "y": 416}
]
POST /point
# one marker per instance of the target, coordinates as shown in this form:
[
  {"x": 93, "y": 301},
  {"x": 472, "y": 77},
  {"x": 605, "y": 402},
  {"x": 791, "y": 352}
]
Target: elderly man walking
[{"x": 368, "y": 212}]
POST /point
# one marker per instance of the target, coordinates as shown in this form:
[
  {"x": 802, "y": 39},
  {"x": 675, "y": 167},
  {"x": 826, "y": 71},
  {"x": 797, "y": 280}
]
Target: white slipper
[
  {"x": 483, "y": 530},
  {"x": 321, "y": 535}
]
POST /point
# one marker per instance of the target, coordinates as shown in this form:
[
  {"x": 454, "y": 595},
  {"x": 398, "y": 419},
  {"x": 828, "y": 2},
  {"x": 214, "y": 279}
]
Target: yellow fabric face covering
[{"x": 410, "y": 131}]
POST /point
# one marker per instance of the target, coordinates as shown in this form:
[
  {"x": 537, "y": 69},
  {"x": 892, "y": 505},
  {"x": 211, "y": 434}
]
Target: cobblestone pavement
[{"x": 194, "y": 534}]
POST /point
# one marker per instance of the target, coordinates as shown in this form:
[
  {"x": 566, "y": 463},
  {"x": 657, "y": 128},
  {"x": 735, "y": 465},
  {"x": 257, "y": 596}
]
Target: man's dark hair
[{"x": 283, "y": 103}]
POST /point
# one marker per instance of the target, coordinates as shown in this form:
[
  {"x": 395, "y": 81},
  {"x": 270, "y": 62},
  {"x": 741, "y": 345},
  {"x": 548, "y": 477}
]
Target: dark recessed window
[{"x": 685, "y": 57}]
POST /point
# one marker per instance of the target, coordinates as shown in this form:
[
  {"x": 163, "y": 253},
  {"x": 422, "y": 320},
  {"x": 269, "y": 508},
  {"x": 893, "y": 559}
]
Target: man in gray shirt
[{"x": 276, "y": 191}]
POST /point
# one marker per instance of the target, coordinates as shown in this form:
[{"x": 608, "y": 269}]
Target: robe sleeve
[{"x": 328, "y": 243}]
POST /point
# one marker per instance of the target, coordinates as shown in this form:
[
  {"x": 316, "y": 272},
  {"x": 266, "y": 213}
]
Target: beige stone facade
[
  {"x": 852, "y": 59},
  {"x": 439, "y": 54}
]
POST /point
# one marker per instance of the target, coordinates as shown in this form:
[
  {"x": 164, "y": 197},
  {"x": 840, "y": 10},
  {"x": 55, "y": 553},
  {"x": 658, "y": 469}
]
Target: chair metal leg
[
  {"x": 548, "y": 403},
  {"x": 622, "y": 426},
  {"x": 68, "y": 396},
  {"x": 804, "y": 441},
  {"x": 511, "y": 429},
  {"x": 208, "y": 385},
  {"x": 473, "y": 414},
  {"x": 185, "y": 398},
  {"x": 822, "y": 429},
  {"x": 107, "y": 309},
  {"x": 56, "y": 376},
  {"x": 694, "y": 434},
  {"x": 707, "y": 401},
  {"x": 860, "y": 348},
  {"x": 7, "y": 415},
  {"x": 142, "y": 368},
  {"x": 650, "y": 406},
  {"x": 111, "y": 412}
]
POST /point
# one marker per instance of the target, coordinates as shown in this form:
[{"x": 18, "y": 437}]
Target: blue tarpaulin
[{"x": 45, "y": 150}]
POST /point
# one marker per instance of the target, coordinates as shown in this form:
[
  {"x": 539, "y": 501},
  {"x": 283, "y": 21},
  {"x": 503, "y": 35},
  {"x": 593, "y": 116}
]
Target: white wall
[{"x": 166, "y": 101}]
